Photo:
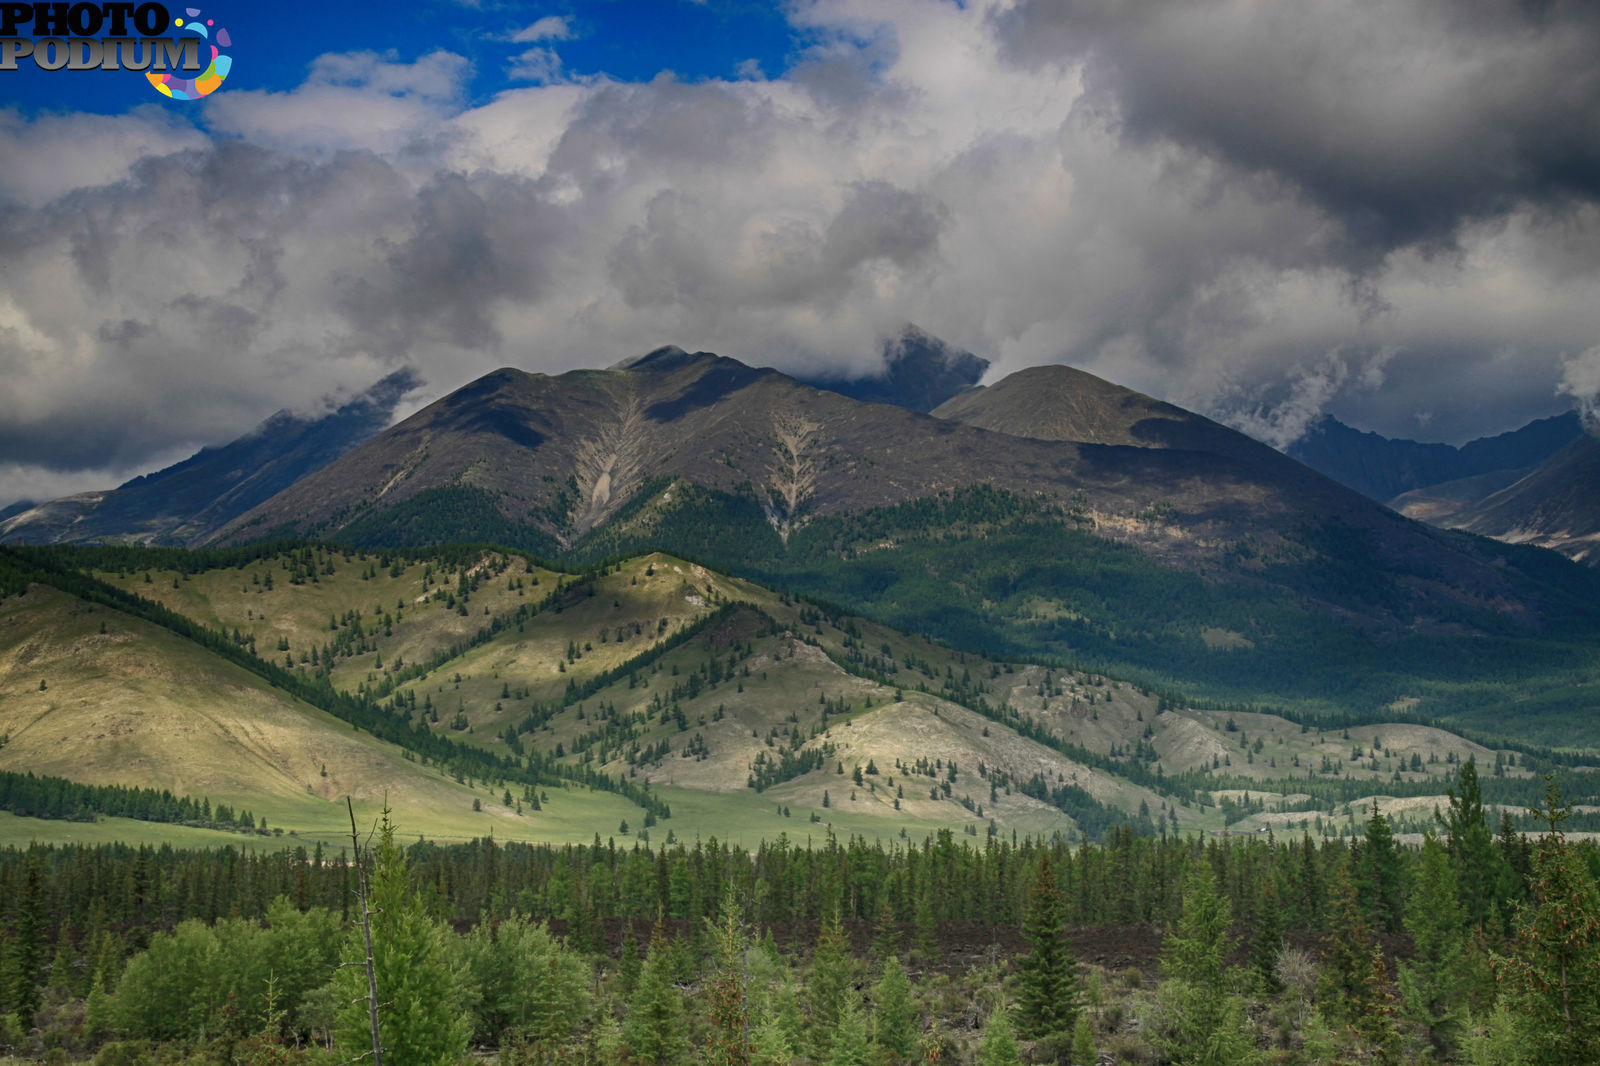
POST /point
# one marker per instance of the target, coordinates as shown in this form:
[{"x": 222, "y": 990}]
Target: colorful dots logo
[{"x": 169, "y": 83}]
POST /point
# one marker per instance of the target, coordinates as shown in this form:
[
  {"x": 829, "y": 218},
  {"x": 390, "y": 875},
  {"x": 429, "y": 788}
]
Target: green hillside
[
  {"x": 95, "y": 695},
  {"x": 653, "y": 694}
]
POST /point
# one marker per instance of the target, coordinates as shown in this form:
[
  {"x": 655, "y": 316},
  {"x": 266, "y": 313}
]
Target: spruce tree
[
  {"x": 1433, "y": 984},
  {"x": 896, "y": 1020},
  {"x": 1083, "y": 1042},
  {"x": 885, "y": 932},
  {"x": 419, "y": 1021},
  {"x": 850, "y": 1046},
  {"x": 1343, "y": 983},
  {"x": 655, "y": 1025},
  {"x": 1047, "y": 998},
  {"x": 828, "y": 984},
  {"x": 1195, "y": 951},
  {"x": 1207, "y": 1022},
  {"x": 24, "y": 950},
  {"x": 726, "y": 1004},
  {"x": 1469, "y": 842},
  {"x": 1266, "y": 948},
  {"x": 927, "y": 929},
  {"x": 1555, "y": 962},
  {"x": 1380, "y": 873},
  {"x": 999, "y": 1044},
  {"x": 1375, "y": 1026}
]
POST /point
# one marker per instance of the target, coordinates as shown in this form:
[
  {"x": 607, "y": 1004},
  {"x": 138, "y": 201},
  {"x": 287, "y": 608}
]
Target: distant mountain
[
  {"x": 190, "y": 500},
  {"x": 1556, "y": 505},
  {"x": 16, "y": 508},
  {"x": 1381, "y": 468},
  {"x": 920, "y": 372},
  {"x": 1062, "y": 403},
  {"x": 1436, "y": 504}
]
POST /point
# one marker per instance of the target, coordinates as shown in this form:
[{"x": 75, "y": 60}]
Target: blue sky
[{"x": 275, "y": 44}]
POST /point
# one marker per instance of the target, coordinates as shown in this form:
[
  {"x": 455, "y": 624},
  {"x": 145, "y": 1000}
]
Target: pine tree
[
  {"x": 999, "y": 1044},
  {"x": 1047, "y": 1000},
  {"x": 1380, "y": 873},
  {"x": 850, "y": 1046},
  {"x": 1267, "y": 946},
  {"x": 726, "y": 1004},
  {"x": 1555, "y": 962},
  {"x": 655, "y": 1025},
  {"x": 896, "y": 1021},
  {"x": 24, "y": 951},
  {"x": 828, "y": 985},
  {"x": 1433, "y": 984},
  {"x": 419, "y": 1022},
  {"x": 1469, "y": 841}
]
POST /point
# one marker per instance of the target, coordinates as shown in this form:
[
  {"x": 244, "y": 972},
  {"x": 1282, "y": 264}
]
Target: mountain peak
[{"x": 666, "y": 358}]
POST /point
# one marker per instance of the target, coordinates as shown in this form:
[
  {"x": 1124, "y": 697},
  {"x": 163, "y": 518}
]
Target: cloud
[
  {"x": 1035, "y": 183},
  {"x": 549, "y": 28},
  {"x": 349, "y": 100},
  {"x": 42, "y": 160},
  {"x": 1403, "y": 119},
  {"x": 1580, "y": 379},
  {"x": 538, "y": 65}
]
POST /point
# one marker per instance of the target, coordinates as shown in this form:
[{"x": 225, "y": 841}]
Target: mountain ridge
[
  {"x": 189, "y": 500},
  {"x": 1383, "y": 468}
]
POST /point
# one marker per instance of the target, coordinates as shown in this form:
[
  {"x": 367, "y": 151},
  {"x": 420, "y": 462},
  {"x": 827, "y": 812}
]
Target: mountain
[
  {"x": 1556, "y": 505},
  {"x": 188, "y": 501},
  {"x": 1233, "y": 569},
  {"x": 1437, "y": 503},
  {"x": 561, "y": 456},
  {"x": 1382, "y": 469},
  {"x": 1062, "y": 403},
  {"x": 558, "y": 459},
  {"x": 920, "y": 372}
]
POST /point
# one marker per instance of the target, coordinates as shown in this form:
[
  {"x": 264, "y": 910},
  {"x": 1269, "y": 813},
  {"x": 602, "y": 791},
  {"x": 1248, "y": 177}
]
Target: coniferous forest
[{"x": 1476, "y": 946}]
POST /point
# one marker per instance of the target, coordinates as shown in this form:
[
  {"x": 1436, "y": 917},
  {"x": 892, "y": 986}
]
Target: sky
[{"x": 1384, "y": 211}]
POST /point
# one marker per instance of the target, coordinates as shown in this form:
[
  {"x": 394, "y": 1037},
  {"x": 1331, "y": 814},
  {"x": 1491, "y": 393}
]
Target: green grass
[{"x": 19, "y": 832}]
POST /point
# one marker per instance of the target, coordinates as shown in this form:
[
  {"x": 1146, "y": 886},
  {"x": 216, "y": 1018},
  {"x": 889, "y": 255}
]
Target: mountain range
[
  {"x": 1383, "y": 468},
  {"x": 1048, "y": 514}
]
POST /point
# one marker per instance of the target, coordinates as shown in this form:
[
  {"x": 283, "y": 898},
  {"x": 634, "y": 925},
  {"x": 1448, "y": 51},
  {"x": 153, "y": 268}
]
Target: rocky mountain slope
[{"x": 1556, "y": 505}]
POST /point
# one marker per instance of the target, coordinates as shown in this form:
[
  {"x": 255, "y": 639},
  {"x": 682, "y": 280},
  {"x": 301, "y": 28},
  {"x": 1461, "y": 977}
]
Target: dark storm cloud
[
  {"x": 471, "y": 245},
  {"x": 1404, "y": 119}
]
